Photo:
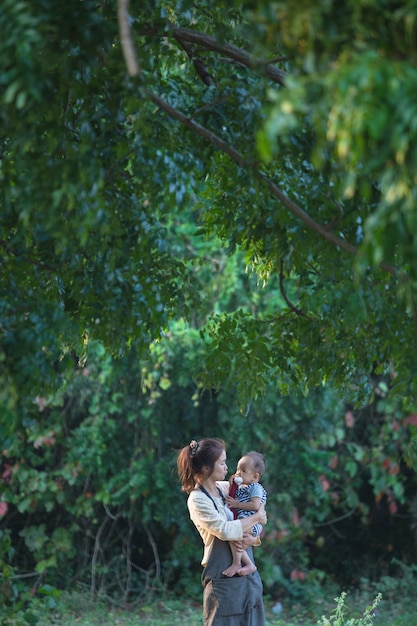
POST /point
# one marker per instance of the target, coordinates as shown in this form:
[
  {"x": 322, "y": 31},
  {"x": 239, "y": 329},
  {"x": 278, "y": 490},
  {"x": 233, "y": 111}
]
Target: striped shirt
[{"x": 245, "y": 493}]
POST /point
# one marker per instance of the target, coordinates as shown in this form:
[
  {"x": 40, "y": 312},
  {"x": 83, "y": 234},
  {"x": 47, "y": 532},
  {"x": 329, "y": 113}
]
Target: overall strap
[{"x": 209, "y": 496}]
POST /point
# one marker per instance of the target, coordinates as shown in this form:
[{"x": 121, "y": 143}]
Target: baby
[{"x": 249, "y": 496}]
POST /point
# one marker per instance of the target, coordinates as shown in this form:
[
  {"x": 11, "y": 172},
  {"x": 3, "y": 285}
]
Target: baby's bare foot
[
  {"x": 232, "y": 570},
  {"x": 247, "y": 569}
]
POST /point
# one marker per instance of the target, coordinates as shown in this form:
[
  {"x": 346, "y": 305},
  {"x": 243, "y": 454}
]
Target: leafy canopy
[{"x": 290, "y": 131}]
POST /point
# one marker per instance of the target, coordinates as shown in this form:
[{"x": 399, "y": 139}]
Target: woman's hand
[
  {"x": 247, "y": 540},
  {"x": 261, "y": 515}
]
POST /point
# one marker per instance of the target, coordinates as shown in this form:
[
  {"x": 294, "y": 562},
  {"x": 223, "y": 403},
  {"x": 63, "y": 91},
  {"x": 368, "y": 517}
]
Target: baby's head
[
  {"x": 251, "y": 467},
  {"x": 258, "y": 461}
]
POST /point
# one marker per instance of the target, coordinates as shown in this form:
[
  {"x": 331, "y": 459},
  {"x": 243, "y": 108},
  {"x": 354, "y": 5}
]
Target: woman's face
[{"x": 220, "y": 468}]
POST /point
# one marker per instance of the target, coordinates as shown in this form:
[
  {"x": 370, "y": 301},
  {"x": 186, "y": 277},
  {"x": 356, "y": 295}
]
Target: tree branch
[
  {"x": 40, "y": 264},
  {"x": 228, "y": 50},
  {"x": 155, "y": 552},
  {"x": 291, "y": 306},
  {"x": 304, "y": 217},
  {"x": 276, "y": 192},
  {"x": 200, "y": 67},
  {"x": 200, "y": 130},
  {"x": 97, "y": 550},
  {"x": 128, "y": 49}
]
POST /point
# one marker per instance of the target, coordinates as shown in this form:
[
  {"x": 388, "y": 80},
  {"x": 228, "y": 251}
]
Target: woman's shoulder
[
  {"x": 223, "y": 485},
  {"x": 195, "y": 494},
  {"x": 196, "y": 500},
  {"x": 201, "y": 505},
  {"x": 198, "y": 495}
]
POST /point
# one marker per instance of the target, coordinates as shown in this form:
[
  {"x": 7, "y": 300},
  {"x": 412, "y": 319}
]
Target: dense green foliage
[
  {"x": 306, "y": 162},
  {"x": 93, "y": 497},
  {"x": 207, "y": 227}
]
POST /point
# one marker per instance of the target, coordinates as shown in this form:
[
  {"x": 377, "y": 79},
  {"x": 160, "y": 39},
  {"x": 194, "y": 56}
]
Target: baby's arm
[{"x": 252, "y": 505}]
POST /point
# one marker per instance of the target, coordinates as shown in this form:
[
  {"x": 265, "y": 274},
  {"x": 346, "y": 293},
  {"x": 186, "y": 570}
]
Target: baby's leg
[
  {"x": 248, "y": 566},
  {"x": 236, "y": 562},
  {"x": 241, "y": 564}
]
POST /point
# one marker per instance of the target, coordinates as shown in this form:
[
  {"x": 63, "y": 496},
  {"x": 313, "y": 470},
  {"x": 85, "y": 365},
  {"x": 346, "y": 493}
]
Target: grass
[{"x": 78, "y": 610}]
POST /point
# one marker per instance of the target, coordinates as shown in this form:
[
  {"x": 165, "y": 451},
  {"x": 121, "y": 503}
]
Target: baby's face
[{"x": 246, "y": 471}]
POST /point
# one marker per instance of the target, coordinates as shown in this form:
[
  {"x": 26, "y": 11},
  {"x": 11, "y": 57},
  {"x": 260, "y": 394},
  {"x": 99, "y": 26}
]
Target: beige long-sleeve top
[{"x": 211, "y": 523}]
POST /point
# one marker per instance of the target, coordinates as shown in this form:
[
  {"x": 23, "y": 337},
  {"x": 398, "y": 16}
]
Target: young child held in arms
[{"x": 249, "y": 496}]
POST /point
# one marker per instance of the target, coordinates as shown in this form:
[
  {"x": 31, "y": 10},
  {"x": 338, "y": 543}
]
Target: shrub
[{"x": 339, "y": 617}]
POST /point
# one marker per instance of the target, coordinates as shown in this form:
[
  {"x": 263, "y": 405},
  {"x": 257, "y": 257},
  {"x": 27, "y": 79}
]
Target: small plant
[{"x": 340, "y": 614}]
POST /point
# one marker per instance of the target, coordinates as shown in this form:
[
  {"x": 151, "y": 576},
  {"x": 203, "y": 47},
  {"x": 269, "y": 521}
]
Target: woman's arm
[
  {"x": 247, "y": 540},
  {"x": 210, "y": 521},
  {"x": 257, "y": 518}
]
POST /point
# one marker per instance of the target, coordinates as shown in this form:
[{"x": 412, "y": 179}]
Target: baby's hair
[{"x": 258, "y": 461}]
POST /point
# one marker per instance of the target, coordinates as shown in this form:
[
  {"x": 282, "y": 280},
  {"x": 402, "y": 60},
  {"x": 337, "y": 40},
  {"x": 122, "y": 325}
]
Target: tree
[
  {"x": 141, "y": 146},
  {"x": 289, "y": 129}
]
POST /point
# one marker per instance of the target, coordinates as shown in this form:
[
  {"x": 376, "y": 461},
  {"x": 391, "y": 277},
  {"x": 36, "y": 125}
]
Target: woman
[{"x": 227, "y": 601}]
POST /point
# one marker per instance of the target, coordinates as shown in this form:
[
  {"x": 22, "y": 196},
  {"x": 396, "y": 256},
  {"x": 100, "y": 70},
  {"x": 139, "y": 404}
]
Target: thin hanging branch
[
  {"x": 155, "y": 552},
  {"x": 291, "y": 306},
  {"x": 128, "y": 48},
  {"x": 97, "y": 551}
]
